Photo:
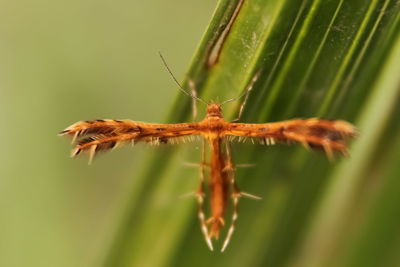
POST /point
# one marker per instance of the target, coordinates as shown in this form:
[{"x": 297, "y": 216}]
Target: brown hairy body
[
  {"x": 98, "y": 135},
  {"x": 219, "y": 187}
]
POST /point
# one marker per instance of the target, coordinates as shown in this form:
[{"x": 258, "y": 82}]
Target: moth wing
[
  {"x": 312, "y": 133},
  {"x": 102, "y": 135}
]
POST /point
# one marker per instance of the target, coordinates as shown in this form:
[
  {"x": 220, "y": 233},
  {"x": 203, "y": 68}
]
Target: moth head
[{"x": 214, "y": 110}]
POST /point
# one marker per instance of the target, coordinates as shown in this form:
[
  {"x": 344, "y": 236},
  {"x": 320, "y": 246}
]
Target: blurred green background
[
  {"x": 62, "y": 62},
  {"x": 65, "y": 61}
]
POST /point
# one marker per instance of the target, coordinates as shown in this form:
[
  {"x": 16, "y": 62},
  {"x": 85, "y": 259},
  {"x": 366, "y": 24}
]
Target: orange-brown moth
[{"x": 94, "y": 136}]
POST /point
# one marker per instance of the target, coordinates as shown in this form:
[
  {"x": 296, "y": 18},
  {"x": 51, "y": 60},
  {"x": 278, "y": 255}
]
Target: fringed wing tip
[
  {"x": 69, "y": 130},
  {"x": 346, "y": 128},
  {"x": 92, "y": 152},
  {"x": 75, "y": 151},
  {"x": 355, "y": 132},
  {"x": 64, "y": 132}
]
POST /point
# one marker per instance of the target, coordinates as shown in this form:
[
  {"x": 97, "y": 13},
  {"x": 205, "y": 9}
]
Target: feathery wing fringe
[
  {"x": 329, "y": 136},
  {"x": 102, "y": 135}
]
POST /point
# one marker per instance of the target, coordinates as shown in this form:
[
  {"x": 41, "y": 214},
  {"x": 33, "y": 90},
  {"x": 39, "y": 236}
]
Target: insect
[{"x": 94, "y": 136}]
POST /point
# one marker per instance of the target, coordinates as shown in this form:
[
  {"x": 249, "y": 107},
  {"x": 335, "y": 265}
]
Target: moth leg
[
  {"x": 200, "y": 199},
  {"x": 229, "y": 168},
  {"x": 193, "y": 92},
  {"x": 197, "y": 165},
  {"x": 249, "y": 88}
]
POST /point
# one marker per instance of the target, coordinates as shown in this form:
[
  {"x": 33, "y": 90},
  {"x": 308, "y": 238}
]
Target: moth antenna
[
  {"x": 245, "y": 93},
  {"x": 176, "y": 81},
  {"x": 194, "y": 95}
]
